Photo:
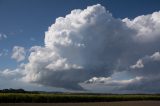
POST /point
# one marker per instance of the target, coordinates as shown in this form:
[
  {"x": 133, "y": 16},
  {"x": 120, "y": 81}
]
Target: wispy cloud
[{"x": 3, "y": 36}]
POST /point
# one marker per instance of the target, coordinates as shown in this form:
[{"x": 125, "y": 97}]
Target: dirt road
[{"x": 126, "y": 103}]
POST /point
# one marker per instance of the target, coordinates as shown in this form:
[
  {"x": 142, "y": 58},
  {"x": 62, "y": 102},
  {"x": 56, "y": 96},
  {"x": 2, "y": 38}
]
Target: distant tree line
[{"x": 11, "y": 90}]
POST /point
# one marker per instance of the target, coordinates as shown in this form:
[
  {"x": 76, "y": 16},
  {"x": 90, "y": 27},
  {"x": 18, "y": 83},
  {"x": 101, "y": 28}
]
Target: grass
[{"x": 70, "y": 98}]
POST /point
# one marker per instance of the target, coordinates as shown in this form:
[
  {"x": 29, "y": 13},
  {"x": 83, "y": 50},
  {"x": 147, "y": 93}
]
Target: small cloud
[
  {"x": 155, "y": 56},
  {"x": 3, "y": 36},
  {"x": 18, "y": 53},
  {"x": 139, "y": 64},
  {"x": 112, "y": 82}
]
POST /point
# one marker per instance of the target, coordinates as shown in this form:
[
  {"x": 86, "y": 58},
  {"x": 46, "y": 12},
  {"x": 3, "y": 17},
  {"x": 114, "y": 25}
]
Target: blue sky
[{"x": 25, "y": 22}]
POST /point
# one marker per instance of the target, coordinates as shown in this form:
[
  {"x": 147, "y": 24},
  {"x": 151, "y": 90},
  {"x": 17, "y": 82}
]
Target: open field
[
  {"x": 71, "y": 98},
  {"x": 126, "y": 103}
]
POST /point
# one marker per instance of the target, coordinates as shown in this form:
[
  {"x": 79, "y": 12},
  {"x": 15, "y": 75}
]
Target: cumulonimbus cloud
[
  {"x": 91, "y": 43},
  {"x": 79, "y": 46}
]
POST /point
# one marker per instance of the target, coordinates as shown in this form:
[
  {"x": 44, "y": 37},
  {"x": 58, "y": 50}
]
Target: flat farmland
[
  {"x": 63, "y": 99},
  {"x": 122, "y": 103}
]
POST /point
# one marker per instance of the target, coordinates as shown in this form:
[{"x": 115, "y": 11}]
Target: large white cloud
[
  {"x": 83, "y": 44},
  {"x": 90, "y": 46}
]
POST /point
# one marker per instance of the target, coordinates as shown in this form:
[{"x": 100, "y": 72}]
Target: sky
[{"x": 109, "y": 46}]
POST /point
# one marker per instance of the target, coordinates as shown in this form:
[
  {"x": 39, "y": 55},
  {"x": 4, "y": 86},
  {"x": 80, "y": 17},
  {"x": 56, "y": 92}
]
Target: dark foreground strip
[
  {"x": 124, "y": 103},
  {"x": 69, "y": 98}
]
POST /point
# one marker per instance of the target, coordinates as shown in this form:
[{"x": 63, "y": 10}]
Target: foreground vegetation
[{"x": 72, "y": 98}]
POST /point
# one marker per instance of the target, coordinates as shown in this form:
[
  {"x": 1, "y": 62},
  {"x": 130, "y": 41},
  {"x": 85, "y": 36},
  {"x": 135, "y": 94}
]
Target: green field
[{"x": 70, "y": 98}]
